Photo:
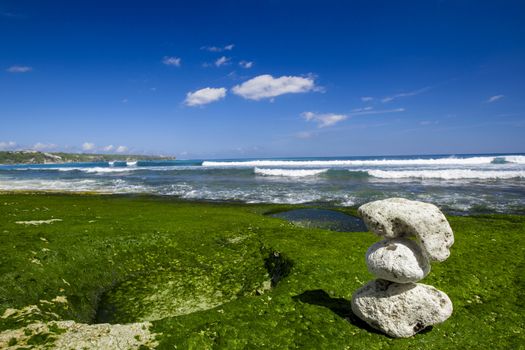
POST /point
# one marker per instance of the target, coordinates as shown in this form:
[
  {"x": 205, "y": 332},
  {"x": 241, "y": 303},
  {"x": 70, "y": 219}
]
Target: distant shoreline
[{"x": 36, "y": 157}]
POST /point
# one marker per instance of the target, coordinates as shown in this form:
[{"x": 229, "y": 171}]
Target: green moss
[
  {"x": 199, "y": 271},
  {"x": 40, "y": 338}
]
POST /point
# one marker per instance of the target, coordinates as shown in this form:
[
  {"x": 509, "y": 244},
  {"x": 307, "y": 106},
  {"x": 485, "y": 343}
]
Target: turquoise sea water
[{"x": 457, "y": 183}]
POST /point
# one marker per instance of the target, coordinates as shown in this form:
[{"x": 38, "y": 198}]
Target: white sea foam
[
  {"x": 53, "y": 185},
  {"x": 104, "y": 170},
  {"x": 368, "y": 162},
  {"x": 447, "y": 174},
  {"x": 85, "y": 185},
  {"x": 515, "y": 159},
  {"x": 289, "y": 172},
  {"x": 131, "y": 163}
]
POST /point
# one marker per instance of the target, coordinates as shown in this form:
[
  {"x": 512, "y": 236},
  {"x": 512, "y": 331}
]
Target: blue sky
[{"x": 208, "y": 79}]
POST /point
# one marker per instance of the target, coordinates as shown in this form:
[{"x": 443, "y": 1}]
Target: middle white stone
[{"x": 398, "y": 260}]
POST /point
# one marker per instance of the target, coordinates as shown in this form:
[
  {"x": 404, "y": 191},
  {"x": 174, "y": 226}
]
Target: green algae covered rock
[{"x": 226, "y": 276}]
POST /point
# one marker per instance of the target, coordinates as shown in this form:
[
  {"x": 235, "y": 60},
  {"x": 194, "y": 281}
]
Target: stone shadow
[{"x": 340, "y": 306}]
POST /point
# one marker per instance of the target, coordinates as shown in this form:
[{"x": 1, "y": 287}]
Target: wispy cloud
[
  {"x": 204, "y": 96},
  {"x": 246, "y": 64},
  {"x": 305, "y": 135},
  {"x": 428, "y": 122},
  {"x": 266, "y": 86},
  {"x": 364, "y": 109},
  {"x": 218, "y": 48},
  {"x": 222, "y": 61},
  {"x": 368, "y": 111},
  {"x": 40, "y": 146},
  {"x": 367, "y": 99},
  {"x": 7, "y": 145},
  {"x": 324, "y": 120},
  {"x": 172, "y": 61},
  {"x": 19, "y": 69},
  {"x": 329, "y": 119},
  {"x": 404, "y": 94},
  {"x": 121, "y": 149},
  {"x": 494, "y": 98},
  {"x": 88, "y": 146},
  {"x": 11, "y": 15}
]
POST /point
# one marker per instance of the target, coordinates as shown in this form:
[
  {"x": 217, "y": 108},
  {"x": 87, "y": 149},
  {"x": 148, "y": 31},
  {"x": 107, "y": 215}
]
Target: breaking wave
[
  {"x": 290, "y": 172},
  {"x": 448, "y": 174},
  {"x": 369, "y": 162}
]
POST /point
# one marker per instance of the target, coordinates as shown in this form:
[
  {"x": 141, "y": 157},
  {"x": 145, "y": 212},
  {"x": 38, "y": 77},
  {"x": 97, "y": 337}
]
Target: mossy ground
[{"x": 201, "y": 273}]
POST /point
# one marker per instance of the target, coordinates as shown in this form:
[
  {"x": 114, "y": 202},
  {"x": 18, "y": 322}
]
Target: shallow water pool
[{"x": 323, "y": 219}]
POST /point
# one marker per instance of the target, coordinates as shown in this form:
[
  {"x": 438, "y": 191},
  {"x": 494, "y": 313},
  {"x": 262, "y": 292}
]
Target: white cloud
[
  {"x": 494, "y": 98},
  {"x": 324, "y": 120},
  {"x": 212, "y": 48},
  {"x": 19, "y": 69},
  {"x": 364, "y": 109},
  {"x": 218, "y": 49},
  {"x": 88, "y": 146},
  {"x": 39, "y": 146},
  {"x": 221, "y": 61},
  {"x": 172, "y": 61},
  {"x": 266, "y": 86},
  {"x": 367, "y": 99},
  {"x": 246, "y": 64},
  {"x": 204, "y": 96},
  {"x": 328, "y": 119},
  {"x": 405, "y": 94},
  {"x": 121, "y": 149},
  {"x": 108, "y": 148},
  {"x": 7, "y": 145},
  {"x": 368, "y": 111}
]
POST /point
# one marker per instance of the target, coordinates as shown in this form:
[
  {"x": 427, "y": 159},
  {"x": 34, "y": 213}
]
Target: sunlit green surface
[{"x": 203, "y": 274}]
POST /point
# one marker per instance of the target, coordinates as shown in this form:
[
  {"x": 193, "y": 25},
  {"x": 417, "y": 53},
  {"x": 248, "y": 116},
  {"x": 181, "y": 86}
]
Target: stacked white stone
[{"x": 415, "y": 233}]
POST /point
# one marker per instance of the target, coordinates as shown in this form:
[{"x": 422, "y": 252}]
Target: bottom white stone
[{"x": 400, "y": 310}]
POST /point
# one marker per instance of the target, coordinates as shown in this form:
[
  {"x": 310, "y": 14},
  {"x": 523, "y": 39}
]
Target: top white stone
[{"x": 399, "y": 217}]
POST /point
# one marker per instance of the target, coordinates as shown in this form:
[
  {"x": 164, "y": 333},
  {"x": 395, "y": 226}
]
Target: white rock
[
  {"x": 400, "y": 310},
  {"x": 399, "y": 217},
  {"x": 397, "y": 260}
]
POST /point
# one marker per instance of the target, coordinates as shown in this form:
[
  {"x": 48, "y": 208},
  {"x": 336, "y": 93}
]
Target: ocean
[{"x": 459, "y": 184}]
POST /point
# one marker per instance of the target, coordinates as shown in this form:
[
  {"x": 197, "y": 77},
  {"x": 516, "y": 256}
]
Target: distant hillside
[{"x": 35, "y": 157}]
